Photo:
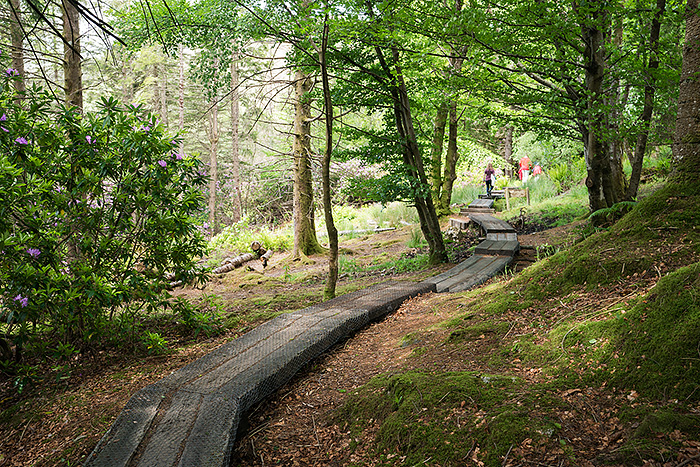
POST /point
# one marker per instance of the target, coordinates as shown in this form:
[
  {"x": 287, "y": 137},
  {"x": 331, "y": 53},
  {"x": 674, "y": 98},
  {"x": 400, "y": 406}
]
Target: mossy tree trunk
[
  {"x": 686, "y": 141},
  {"x": 305, "y": 241},
  {"x": 615, "y": 102},
  {"x": 213, "y": 133},
  {"x": 213, "y": 117},
  {"x": 181, "y": 96},
  {"x": 451, "y": 158},
  {"x": 599, "y": 179},
  {"x": 412, "y": 157}
]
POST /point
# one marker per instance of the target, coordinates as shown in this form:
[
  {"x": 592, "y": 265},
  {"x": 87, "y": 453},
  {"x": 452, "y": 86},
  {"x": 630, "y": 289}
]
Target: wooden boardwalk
[{"x": 191, "y": 418}]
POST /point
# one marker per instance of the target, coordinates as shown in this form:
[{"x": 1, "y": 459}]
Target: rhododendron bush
[{"x": 97, "y": 213}]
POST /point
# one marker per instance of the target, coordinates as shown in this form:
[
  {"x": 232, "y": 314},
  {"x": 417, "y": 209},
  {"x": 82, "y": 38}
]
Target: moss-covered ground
[{"x": 611, "y": 329}]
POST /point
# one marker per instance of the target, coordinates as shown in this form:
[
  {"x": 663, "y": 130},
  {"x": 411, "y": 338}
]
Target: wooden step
[{"x": 497, "y": 247}]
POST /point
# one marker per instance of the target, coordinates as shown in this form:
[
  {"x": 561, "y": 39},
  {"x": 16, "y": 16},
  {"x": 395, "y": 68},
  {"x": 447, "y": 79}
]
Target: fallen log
[
  {"x": 265, "y": 258},
  {"x": 261, "y": 253},
  {"x": 232, "y": 263},
  {"x": 362, "y": 231}
]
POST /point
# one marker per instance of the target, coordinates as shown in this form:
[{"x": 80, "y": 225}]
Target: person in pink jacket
[
  {"x": 524, "y": 172},
  {"x": 489, "y": 177}
]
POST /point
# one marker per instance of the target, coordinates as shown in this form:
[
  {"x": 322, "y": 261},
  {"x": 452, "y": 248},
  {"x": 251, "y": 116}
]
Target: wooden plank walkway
[
  {"x": 471, "y": 272},
  {"x": 479, "y": 205},
  {"x": 495, "y": 229},
  {"x": 495, "y": 194},
  {"x": 190, "y": 418},
  {"x": 497, "y": 247}
]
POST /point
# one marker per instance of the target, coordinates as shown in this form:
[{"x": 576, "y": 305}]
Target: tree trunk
[
  {"x": 213, "y": 165},
  {"x": 436, "y": 150},
  {"x": 451, "y": 158},
  {"x": 649, "y": 91},
  {"x": 332, "y": 280},
  {"x": 235, "y": 156},
  {"x": 686, "y": 141},
  {"x": 72, "y": 70},
  {"x": 617, "y": 172},
  {"x": 508, "y": 151},
  {"x": 17, "y": 48},
  {"x": 163, "y": 93},
  {"x": 413, "y": 161},
  {"x": 305, "y": 241},
  {"x": 181, "y": 97},
  {"x": 596, "y": 148}
]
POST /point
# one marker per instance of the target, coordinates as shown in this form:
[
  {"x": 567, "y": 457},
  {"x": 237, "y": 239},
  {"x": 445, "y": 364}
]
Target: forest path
[{"x": 191, "y": 417}]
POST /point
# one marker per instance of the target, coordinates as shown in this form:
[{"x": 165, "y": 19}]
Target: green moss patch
[
  {"x": 655, "y": 347},
  {"x": 449, "y": 417}
]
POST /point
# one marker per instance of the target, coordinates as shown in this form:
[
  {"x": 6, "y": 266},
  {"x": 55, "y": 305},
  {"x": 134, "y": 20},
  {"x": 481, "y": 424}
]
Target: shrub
[
  {"x": 565, "y": 176},
  {"x": 96, "y": 216}
]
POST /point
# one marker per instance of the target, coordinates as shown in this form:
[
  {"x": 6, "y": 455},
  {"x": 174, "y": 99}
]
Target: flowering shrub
[{"x": 96, "y": 215}]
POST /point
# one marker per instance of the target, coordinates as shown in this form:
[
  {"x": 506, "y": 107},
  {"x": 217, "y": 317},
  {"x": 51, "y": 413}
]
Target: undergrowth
[{"x": 553, "y": 211}]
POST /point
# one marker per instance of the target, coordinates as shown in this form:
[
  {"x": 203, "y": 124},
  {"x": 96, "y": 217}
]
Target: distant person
[
  {"x": 489, "y": 178},
  {"x": 524, "y": 172},
  {"x": 536, "y": 170}
]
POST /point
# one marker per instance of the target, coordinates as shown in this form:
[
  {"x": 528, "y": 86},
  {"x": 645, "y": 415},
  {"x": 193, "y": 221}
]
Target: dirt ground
[{"x": 60, "y": 422}]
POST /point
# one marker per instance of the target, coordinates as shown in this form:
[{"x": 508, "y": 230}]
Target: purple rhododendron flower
[
  {"x": 12, "y": 72},
  {"x": 162, "y": 163},
  {"x": 3, "y": 117},
  {"x": 89, "y": 139},
  {"x": 179, "y": 156},
  {"x": 34, "y": 252},
  {"x": 21, "y": 140},
  {"x": 4, "y": 129},
  {"x": 23, "y": 301}
]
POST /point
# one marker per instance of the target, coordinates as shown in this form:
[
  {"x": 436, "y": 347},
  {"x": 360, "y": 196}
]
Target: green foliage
[
  {"x": 416, "y": 240},
  {"x": 154, "y": 343},
  {"x": 608, "y": 216},
  {"x": 547, "y": 151},
  {"x": 395, "y": 266},
  {"x": 465, "y": 193},
  {"x": 565, "y": 176},
  {"x": 370, "y": 216},
  {"x": 208, "y": 321},
  {"x": 96, "y": 210},
  {"x": 553, "y": 211},
  {"x": 541, "y": 188},
  {"x": 238, "y": 237}
]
